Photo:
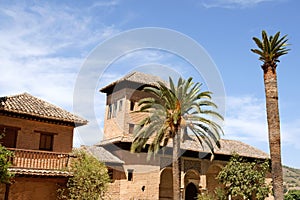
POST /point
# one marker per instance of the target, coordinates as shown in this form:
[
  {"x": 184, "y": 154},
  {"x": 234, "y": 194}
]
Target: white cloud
[
  {"x": 232, "y": 3},
  {"x": 290, "y": 133},
  {"x": 43, "y": 46},
  {"x": 43, "y": 30},
  {"x": 92, "y": 109},
  {"x": 245, "y": 120},
  {"x": 49, "y": 78},
  {"x": 109, "y": 3}
]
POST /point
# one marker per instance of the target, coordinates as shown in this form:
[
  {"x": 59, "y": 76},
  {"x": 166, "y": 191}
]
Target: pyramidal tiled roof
[
  {"x": 136, "y": 77},
  {"x": 26, "y": 104}
]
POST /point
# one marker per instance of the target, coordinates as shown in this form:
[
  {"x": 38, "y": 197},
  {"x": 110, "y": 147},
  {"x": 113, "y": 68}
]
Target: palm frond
[
  {"x": 258, "y": 43},
  {"x": 270, "y": 48},
  {"x": 172, "y": 87},
  {"x": 275, "y": 40},
  {"x": 173, "y": 108}
]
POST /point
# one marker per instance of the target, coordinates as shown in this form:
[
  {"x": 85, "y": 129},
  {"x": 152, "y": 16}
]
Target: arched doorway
[
  {"x": 211, "y": 178},
  {"x": 191, "y": 184},
  {"x": 166, "y": 184},
  {"x": 191, "y": 192}
]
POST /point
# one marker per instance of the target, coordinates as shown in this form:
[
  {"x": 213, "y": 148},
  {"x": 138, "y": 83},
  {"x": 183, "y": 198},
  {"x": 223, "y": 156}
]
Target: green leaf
[{"x": 89, "y": 181}]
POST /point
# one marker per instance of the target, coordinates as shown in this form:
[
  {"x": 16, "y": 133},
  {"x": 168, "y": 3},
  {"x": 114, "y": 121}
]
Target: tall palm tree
[
  {"x": 269, "y": 51},
  {"x": 172, "y": 112}
]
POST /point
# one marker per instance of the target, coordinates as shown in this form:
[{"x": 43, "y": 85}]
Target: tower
[{"x": 121, "y": 102}]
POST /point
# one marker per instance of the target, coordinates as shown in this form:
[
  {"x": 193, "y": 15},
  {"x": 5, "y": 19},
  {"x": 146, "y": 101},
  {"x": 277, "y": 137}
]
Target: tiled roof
[
  {"x": 26, "y": 104},
  {"x": 103, "y": 155},
  {"x": 39, "y": 172},
  {"x": 136, "y": 77},
  {"x": 228, "y": 147}
]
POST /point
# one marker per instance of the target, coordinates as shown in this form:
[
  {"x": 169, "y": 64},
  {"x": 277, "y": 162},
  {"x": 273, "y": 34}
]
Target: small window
[
  {"x": 46, "y": 142},
  {"x": 120, "y": 105},
  {"x": 8, "y": 136},
  {"x": 109, "y": 111},
  {"x": 131, "y": 105},
  {"x": 131, "y": 128},
  {"x": 130, "y": 174},
  {"x": 114, "y": 114}
]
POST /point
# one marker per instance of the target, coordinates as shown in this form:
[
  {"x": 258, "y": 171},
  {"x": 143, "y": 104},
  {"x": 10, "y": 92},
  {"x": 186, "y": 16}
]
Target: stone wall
[
  {"x": 143, "y": 186},
  {"x": 154, "y": 182}
]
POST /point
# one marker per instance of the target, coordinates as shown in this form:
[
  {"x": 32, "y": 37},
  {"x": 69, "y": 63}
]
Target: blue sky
[{"x": 44, "y": 45}]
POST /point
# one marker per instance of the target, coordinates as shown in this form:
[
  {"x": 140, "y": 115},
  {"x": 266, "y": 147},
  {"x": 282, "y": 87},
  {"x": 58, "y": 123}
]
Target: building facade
[
  {"x": 41, "y": 137},
  {"x": 134, "y": 176}
]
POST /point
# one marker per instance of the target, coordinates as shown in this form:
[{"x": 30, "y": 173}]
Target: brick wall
[
  {"x": 2, "y": 191},
  {"x": 29, "y": 136},
  {"x": 34, "y": 188}
]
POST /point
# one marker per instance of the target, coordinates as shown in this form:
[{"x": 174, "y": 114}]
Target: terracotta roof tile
[
  {"x": 228, "y": 147},
  {"x": 39, "y": 172},
  {"x": 26, "y": 104}
]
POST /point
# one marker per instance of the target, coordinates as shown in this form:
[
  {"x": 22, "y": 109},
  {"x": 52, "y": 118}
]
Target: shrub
[
  {"x": 5, "y": 174},
  {"x": 292, "y": 195},
  {"x": 89, "y": 181},
  {"x": 245, "y": 179}
]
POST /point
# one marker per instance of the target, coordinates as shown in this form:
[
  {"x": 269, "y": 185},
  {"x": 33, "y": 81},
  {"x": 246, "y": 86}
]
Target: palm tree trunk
[
  {"x": 7, "y": 187},
  {"x": 175, "y": 166},
  {"x": 271, "y": 91}
]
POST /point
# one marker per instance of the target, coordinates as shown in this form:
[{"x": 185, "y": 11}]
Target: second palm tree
[{"x": 172, "y": 112}]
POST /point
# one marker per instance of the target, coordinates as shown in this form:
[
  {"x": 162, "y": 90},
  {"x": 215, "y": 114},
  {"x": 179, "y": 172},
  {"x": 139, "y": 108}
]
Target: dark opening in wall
[
  {"x": 130, "y": 175},
  {"x": 131, "y": 105},
  {"x": 131, "y": 128}
]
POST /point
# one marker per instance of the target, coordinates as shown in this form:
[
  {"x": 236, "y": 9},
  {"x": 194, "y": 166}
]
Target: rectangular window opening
[
  {"x": 46, "y": 142},
  {"x": 131, "y": 105},
  {"x": 131, "y": 128},
  {"x": 120, "y": 105},
  {"x": 130, "y": 174},
  {"x": 8, "y": 136},
  {"x": 109, "y": 111},
  {"x": 114, "y": 114}
]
